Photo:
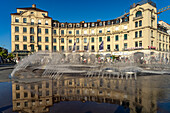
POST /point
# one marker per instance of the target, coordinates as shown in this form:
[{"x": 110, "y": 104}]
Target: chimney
[
  {"x": 33, "y": 6},
  {"x": 98, "y": 20}
]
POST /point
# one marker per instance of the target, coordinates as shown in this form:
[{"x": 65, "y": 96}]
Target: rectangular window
[
  {"x": 24, "y": 29},
  {"x": 39, "y": 30},
  {"x": 92, "y": 47},
  {"x": 78, "y": 48},
  {"x": 77, "y": 40},
  {"x": 46, "y": 47},
  {"x": 136, "y": 24},
  {"x": 46, "y": 31},
  {"x": 24, "y": 38},
  {"x": 125, "y": 36},
  {"x": 54, "y": 48},
  {"x": 25, "y": 47},
  {"x": 125, "y": 45},
  {"x": 16, "y": 29},
  {"x": 117, "y": 47},
  {"x": 108, "y": 38},
  {"x": 140, "y": 23},
  {"x": 92, "y": 31},
  {"x": 54, "y": 32},
  {"x": 136, "y": 34},
  {"x": 152, "y": 43},
  {"x": 62, "y": 40},
  {"x": 140, "y": 43},
  {"x": 100, "y": 39},
  {"x": 70, "y": 32},
  {"x": 151, "y": 23},
  {"x": 136, "y": 44},
  {"x": 140, "y": 33},
  {"x": 92, "y": 39},
  {"x": 54, "y": 40},
  {"x": 32, "y": 21},
  {"x": 70, "y": 48},
  {"x": 85, "y": 31},
  {"x": 117, "y": 38},
  {"x": 39, "y": 21},
  {"x": 31, "y": 30},
  {"x": 39, "y": 47},
  {"x": 46, "y": 39},
  {"x": 160, "y": 37},
  {"x": 24, "y": 20},
  {"x": 100, "y": 31},
  {"x": 62, "y": 32},
  {"x": 16, "y": 19},
  {"x": 151, "y": 33},
  {"x": 16, "y": 46},
  {"x": 39, "y": 38},
  {"x": 70, "y": 40},
  {"x": 77, "y": 32},
  {"x": 117, "y": 28},
  {"x": 108, "y": 47},
  {"x": 31, "y": 39},
  {"x": 85, "y": 40},
  {"x": 46, "y": 22},
  {"x": 17, "y": 38},
  {"x": 85, "y": 47}
]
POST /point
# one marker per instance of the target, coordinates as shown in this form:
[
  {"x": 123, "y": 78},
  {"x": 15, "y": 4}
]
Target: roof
[
  {"x": 143, "y": 2},
  {"x": 15, "y": 13},
  {"x": 31, "y": 8}
]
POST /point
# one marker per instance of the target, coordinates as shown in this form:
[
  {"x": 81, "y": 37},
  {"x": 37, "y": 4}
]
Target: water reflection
[{"x": 133, "y": 96}]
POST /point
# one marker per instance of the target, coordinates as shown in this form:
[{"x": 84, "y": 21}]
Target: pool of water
[{"x": 76, "y": 94}]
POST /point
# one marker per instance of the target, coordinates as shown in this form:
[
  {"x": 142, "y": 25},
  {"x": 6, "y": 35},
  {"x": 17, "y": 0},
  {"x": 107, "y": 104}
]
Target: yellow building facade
[{"x": 136, "y": 32}]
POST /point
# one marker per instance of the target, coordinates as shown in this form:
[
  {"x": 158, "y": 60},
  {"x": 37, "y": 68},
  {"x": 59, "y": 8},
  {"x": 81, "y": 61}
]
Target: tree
[{"x": 10, "y": 56}]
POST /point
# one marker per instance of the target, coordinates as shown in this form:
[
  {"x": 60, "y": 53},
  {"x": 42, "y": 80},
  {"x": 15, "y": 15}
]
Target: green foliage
[
  {"x": 97, "y": 56},
  {"x": 10, "y": 56},
  {"x": 113, "y": 57},
  {"x": 3, "y": 54}
]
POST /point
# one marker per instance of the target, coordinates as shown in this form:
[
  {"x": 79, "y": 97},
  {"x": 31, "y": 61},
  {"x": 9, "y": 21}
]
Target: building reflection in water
[{"x": 39, "y": 96}]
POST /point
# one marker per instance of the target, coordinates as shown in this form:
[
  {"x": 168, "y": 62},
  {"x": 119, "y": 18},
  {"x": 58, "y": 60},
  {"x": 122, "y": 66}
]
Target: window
[
  {"x": 125, "y": 45},
  {"x": 85, "y": 40},
  {"x": 26, "y": 104},
  {"x": 46, "y": 47},
  {"x": 136, "y": 44},
  {"x": 92, "y": 39},
  {"x": 31, "y": 30},
  {"x": 77, "y": 40},
  {"x": 159, "y": 36},
  {"x": 151, "y": 33},
  {"x": 140, "y": 33},
  {"x": 117, "y": 21},
  {"x": 85, "y": 31},
  {"x": 16, "y": 19},
  {"x": 125, "y": 26},
  {"x": 16, "y": 46},
  {"x": 108, "y": 23},
  {"x": 62, "y": 25},
  {"x": 70, "y": 40},
  {"x": 17, "y": 95},
  {"x": 77, "y": 32},
  {"x": 85, "y": 25},
  {"x": 21, "y": 12},
  {"x": 39, "y": 30},
  {"x": 100, "y": 31},
  {"x": 70, "y": 48},
  {"x": 46, "y": 22},
  {"x": 152, "y": 43},
  {"x": 25, "y": 47},
  {"x": 39, "y": 38},
  {"x": 31, "y": 39},
  {"x": 151, "y": 23},
  {"x": 24, "y": 20},
  {"x": 117, "y": 38},
  {"x": 140, "y": 23},
  {"x": 62, "y": 40},
  {"x": 117, "y": 28},
  {"x": 39, "y": 21},
  {"x": 136, "y": 34},
  {"x": 100, "y": 39},
  {"x": 46, "y": 39},
  {"x": 85, "y": 47},
  {"x": 24, "y": 29},
  {"x": 32, "y": 21},
  {"x": 92, "y": 47},
  {"x": 136, "y": 24},
  {"x": 139, "y": 13},
  {"x": 92, "y": 31},
  {"x": 117, "y": 47},
  {"x": 108, "y": 47},
  {"x": 78, "y": 48},
  {"x": 43, "y": 14},
  {"x": 108, "y": 30},
  {"x": 39, "y": 47},
  {"x": 101, "y": 24},
  {"x": 70, "y": 32},
  {"x": 54, "y": 48},
  {"x": 24, "y": 38},
  {"x": 140, "y": 43},
  {"x": 32, "y": 12},
  {"x": 125, "y": 36},
  {"x": 16, "y": 29},
  {"x": 54, "y": 40},
  {"x": 62, "y": 32},
  {"x": 54, "y": 31},
  {"x": 92, "y": 25},
  {"x": 17, "y": 38},
  {"x": 108, "y": 38},
  {"x": 46, "y": 31},
  {"x": 78, "y": 25}
]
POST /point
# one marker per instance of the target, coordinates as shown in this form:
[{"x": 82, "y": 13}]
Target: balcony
[{"x": 136, "y": 18}]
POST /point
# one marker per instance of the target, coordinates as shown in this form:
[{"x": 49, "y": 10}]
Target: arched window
[{"x": 139, "y": 13}]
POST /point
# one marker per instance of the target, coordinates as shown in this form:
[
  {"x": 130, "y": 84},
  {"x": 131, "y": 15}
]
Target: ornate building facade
[{"x": 136, "y": 32}]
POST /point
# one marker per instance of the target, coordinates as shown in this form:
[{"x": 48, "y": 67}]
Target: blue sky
[{"x": 70, "y": 11}]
